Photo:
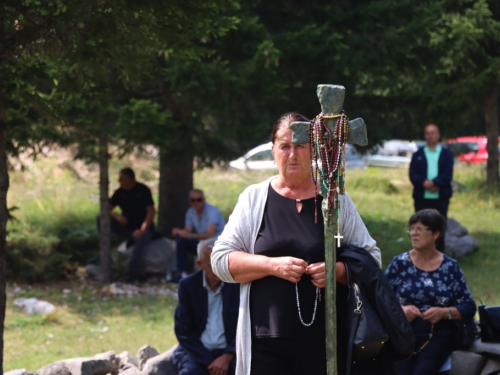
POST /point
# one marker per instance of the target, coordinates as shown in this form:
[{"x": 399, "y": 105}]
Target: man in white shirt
[{"x": 205, "y": 320}]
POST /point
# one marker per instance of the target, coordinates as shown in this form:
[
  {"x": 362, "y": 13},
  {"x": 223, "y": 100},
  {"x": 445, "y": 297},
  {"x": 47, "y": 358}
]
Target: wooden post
[{"x": 331, "y": 98}]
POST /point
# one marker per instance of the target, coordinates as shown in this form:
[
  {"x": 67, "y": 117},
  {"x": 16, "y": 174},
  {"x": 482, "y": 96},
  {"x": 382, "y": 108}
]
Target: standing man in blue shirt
[
  {"x": 431, "y": 173},
  {"x": 202, "y": 221},
  {"x": 205, "y": 320}
]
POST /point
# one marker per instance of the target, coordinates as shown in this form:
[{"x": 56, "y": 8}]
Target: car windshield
[
  {"x": 458, "y": 148},
  {"x": 265, "y": 155}
]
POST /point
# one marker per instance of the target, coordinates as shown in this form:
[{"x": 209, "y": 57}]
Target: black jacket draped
[{"x": 370, "y": 277}]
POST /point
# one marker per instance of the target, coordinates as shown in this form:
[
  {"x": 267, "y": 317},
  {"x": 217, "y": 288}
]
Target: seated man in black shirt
[{"x": 136, "y": 221}]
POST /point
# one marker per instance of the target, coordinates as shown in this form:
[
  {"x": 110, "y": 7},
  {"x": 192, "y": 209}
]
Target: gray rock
[
  {"x": 460, "y": 246},
  {"x": 57, "y": 368},
  {"x": 131, "y": 371},
  {"x": 145, "y": 353},
  {"x": 161, "y": 364},
  {"x": 492, "y": 365},
  {"x": 93, "y": 271},
  {"x": 18, "y": 372},
  {"x": 35, "y": 306},
  {"x": 487, "y": 348},
  {"x": 110, "y": 356},
  {"x": 466, "y": 363},
  {"x": 126, "y": 361},
  {"x": 159, "y": 256},
  {"x": 457, "y": 242},
  {"x": 89, "y": 366},
  {"x": 78, "y": 366},
  {"x": 457, "y": 186},
  {"x": 454, "y": 228}
]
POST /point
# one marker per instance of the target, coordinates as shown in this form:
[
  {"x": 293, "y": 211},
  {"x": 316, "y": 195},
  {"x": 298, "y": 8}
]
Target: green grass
[
  {"x": 51, "y": 200},
  {"x": 85, "y": 323}
]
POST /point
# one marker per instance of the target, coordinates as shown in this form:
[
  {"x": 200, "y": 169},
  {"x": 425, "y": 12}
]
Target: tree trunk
[
  {"x": 176, "y": 171},
  {"x": 4, "y": 187},
  {"x": 105, "y": 229},
  {"x": 176, "y": 180},
  {"x": 492, "y": 132}
]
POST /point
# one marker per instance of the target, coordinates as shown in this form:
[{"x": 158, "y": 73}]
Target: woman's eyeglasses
[
  {"x": 192, "y": 200},
  {"x": 419, "y": 230}
]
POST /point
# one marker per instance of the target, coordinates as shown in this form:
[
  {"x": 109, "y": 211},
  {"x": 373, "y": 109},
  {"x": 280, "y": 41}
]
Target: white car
[
  {"x": 261, "y": 158},
  {"x": 258, "y": 158},
  {"x": 392, "y": 154},
  {"x": 388, "y": 161}
]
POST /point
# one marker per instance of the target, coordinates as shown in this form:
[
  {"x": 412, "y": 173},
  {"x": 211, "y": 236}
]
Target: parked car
[
  {"x": 470, "y": 149},
  {"x": 261, "y": 158},
  {"x": 392, "y": 154},
  {"x": 258, "y": 158},
  {"x": 396, "y": 147}
]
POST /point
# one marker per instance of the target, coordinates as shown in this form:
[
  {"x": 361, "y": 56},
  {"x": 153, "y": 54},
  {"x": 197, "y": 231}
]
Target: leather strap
[{"x": 355, "y": 321}]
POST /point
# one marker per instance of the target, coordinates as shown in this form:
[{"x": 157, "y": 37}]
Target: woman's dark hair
[
  {"x": 129, "y": 173},
  {"x": 284, "y": 122},
  {"x": 429, "y": 217}
]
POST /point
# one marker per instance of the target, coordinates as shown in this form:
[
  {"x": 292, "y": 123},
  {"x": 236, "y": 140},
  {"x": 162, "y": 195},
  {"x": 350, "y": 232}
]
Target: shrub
[{"x": 33, "y": 257}]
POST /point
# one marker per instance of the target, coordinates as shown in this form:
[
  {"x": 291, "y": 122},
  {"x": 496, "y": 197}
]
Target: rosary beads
[
  {"x": 328, "y": 156},
  {"x": 298, "y": 306}
]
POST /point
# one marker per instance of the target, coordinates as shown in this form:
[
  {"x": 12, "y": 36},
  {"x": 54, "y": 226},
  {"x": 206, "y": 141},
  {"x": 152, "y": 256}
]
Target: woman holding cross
[{"x": 274, "y": 246}]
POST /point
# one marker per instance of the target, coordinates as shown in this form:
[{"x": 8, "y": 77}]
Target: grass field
[{"x": 51, "y": 198}]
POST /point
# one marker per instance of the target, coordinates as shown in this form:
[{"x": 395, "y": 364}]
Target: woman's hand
[
  {"x": 435, "y": 314},
  {"x": 318, "y": 275},
  {"x": 411, "y": 311},
  {"x": 288, "y": 268}
]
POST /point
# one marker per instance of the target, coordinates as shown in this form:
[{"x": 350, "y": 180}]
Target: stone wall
[{"x": 147, "y": 362}]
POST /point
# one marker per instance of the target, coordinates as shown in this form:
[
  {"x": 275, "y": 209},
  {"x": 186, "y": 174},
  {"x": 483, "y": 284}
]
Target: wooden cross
[{"x": 331, "y": 98}]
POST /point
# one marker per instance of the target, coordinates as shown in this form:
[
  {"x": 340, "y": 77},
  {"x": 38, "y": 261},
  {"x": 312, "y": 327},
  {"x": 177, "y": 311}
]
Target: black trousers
[
  {"x": 430, "y": 359},
  {"x": 441, "y": 205},
  {"x": 128, "y": 234},
  {"x": 288, "y": 356},
  {"x": 281, "y": 356}
]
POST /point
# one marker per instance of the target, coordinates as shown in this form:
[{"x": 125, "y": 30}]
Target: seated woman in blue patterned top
[{"x": 432, "y": 291}]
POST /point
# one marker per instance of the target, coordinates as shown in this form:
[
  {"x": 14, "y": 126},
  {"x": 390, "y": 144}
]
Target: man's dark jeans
[
  {"x": 128, "y": 234},
  {"x": 188, "y": 364}
]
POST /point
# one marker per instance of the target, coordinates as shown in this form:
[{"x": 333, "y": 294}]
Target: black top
[
  {"x": 133, "y": 203},
  {"x": 273, "y": 303}
]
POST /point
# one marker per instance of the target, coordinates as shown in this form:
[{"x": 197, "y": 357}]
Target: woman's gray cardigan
[{"x": 240, "y": 234}]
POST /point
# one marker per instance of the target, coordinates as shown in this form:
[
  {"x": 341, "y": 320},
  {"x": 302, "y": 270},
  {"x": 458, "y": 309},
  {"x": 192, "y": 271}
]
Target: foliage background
[
  {"x": 382, "y": 196},
  {"x": 204, "y": 80}
]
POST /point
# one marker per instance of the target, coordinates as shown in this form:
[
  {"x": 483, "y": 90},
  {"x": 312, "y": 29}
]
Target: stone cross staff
[{"x": 331, "y": 98}]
